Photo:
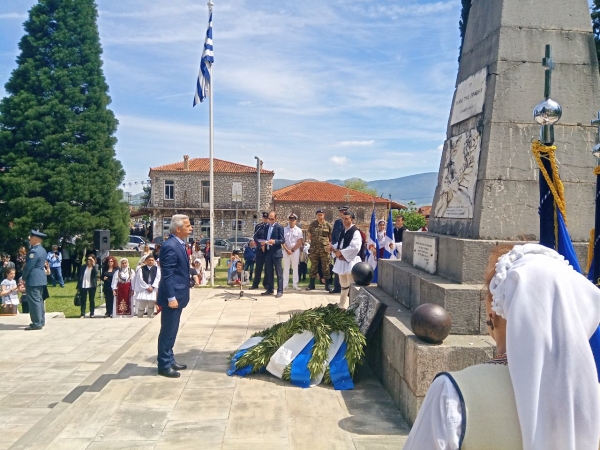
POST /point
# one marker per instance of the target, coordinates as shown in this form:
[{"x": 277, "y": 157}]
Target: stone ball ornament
[
  {"x": 547, "y": 112},
  {"x": 431, "y": 323},
  {"x": 362, "y": 273}
]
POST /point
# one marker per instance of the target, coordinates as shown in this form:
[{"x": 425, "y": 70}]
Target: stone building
[
  {"x": 306, "y": 197},
  {"x": 183, "y": 188}
]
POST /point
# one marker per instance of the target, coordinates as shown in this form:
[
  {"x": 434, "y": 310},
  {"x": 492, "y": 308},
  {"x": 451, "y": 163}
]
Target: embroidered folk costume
[
  {"x": 122, "y": 284},
  {"x": 544, "y": 393},
  {"x": 145, "y": 285}
]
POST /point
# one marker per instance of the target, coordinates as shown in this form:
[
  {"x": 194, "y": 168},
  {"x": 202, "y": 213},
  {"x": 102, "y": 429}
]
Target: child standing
[{"x": 9, "y": 292}]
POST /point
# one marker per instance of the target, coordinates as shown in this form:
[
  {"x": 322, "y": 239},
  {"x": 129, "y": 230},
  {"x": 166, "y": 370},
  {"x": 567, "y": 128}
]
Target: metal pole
[
  {"x": 236, "y": 224},
  {"x": 258, "y": 214},
  {"x": 211, "y": 170}
]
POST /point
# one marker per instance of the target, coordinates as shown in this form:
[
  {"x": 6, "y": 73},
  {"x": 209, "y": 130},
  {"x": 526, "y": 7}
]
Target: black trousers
[
  {"x": 109, "y": 297},
  {"x": 260, "y": 262},
  {"x": 91, "y": 293},
  {"x": 273, "y": 267},
  {"x": 169, "y": 326}
]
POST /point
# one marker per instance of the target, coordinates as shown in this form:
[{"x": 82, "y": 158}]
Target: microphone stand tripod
[{"x": 239, "y": 295}]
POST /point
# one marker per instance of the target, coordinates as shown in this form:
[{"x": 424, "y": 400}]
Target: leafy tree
[
  {"x": 57, "y": 133},
  {"x": 359, "y": 185},
  {"x": 596, "y": 25},
  {"x": 462, "y": 24},
  {"x": 412, "y": 219}
]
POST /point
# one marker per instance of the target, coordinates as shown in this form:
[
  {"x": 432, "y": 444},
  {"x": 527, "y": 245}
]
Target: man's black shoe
[
  {"x": 176, "y": 366},
  {"x": 279, "y": 294},
  {"x": 335, "y": 292},
  {"x": 311, "y": 285},
  {"x": 32, "y": 328},
  {"x": 252, "y": 287},
  {"x": 169, "y": 373},
  {"x": 267, "y": 293}
]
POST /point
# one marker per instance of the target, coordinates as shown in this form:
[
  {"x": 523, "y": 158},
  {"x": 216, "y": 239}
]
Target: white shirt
[
  {"x": 349, "y": 253},
  {"x": 291, "y": 236},
  {"x": 439, "y": 422},
  {"x": 87, "y": 279},
  {"x": 13, "y": 297},
  {"x": 141, "y": 287}
]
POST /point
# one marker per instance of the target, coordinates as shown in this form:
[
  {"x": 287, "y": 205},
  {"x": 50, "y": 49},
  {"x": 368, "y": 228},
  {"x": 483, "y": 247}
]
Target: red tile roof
[
  {"x": 323, "y": 192},
  {"x": 202, "y": 165},
  {"x": 425, "y": 210}
]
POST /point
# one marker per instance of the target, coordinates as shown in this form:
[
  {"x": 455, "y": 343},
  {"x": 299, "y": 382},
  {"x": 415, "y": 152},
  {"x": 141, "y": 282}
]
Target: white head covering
[{"x": 551, "y": 312}]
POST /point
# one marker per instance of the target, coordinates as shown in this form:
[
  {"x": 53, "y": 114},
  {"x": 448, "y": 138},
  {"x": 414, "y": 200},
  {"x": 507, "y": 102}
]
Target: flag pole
[{"x": 211, "y": 169}]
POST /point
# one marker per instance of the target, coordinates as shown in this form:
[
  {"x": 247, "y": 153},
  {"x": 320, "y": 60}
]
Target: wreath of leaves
[{"x": 321, "y": 322}]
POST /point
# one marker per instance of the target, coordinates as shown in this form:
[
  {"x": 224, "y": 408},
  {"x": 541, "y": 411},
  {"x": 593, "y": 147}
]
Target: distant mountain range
[{"x": 419, "y": 188}]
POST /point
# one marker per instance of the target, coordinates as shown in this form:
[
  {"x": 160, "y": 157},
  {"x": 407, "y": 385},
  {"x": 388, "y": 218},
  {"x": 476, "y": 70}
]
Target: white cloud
[
  {"x": 339, "y": 160},
  {"x": 13, "y": 16},
  {"x": 355, "y": 143},
  {"x": 439, "y": 148}
]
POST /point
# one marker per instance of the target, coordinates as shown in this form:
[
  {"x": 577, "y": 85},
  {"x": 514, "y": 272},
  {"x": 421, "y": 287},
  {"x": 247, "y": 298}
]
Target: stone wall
[
  {"x": 306, "y": 212},
  {"x": 188, "y": 200}
]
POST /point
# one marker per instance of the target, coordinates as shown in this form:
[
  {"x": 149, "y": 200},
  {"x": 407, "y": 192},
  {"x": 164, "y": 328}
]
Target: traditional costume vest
[
  {"x": 490, "y": 418},
  {"x": 149, "y": 274},
  {"x": 346, "y": 237}
]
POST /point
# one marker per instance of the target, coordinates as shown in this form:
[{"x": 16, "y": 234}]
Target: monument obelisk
[{"x": 488, "y": 187}]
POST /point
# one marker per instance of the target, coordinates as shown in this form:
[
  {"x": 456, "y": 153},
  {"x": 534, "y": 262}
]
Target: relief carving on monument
[{"x": 457, "y": 194}]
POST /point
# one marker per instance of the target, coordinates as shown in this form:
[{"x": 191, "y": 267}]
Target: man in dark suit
[
  {"x": 273, "y": 237},
  {"x": 260, "y": 254},
  {"x": 173, "y": 293}
]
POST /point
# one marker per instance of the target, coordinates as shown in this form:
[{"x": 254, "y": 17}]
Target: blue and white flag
[
  {"x": 373, "y": 246},
  {"x": 389, "y": 251},
  {"x": 203, "y": 82}
]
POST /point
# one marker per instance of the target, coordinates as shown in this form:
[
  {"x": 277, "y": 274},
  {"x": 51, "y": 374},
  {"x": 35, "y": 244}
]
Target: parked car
[
  {"x": 138, "y": 243},
  {"x": 220, "y": 245},
  {"x": 242, "y": 242}
]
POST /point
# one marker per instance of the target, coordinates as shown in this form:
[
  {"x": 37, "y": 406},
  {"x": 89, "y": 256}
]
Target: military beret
[
  {"x": 37, "y": 233},
  {"x": 319, "y": 211},
  {"x": 265, "y": 214}
]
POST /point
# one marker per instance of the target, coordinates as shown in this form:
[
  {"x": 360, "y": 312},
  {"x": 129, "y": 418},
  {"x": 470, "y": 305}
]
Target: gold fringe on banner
[
  {"x": 591, "y": 249},
  {"x": 554, "y": 183}
]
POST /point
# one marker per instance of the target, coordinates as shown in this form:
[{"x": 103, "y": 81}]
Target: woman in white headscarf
[
  {"x": 121, "y": 285},
  {"x": 542, "y": 391}
]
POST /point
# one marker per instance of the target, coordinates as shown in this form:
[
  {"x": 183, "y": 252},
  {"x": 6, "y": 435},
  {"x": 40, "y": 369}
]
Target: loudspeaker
[{"x": 102, "y": 240}]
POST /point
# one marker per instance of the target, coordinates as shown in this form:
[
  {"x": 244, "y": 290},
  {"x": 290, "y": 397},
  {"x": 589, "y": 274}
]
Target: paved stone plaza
[{"x": 93, "y": 384}]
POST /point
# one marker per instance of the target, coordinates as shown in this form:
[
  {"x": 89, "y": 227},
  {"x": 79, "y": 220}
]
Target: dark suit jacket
[
  {"x": 175, "y": 274},
  {"x": 93, "y": 277},
  {"x": 277, "y": 236}
]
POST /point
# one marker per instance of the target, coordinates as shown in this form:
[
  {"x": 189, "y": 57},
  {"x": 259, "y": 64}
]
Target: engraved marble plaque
[
  {"x": 425, "y": 253},
  {"x": 469, "y": 98},
  {"x": 459, "y": 179}
]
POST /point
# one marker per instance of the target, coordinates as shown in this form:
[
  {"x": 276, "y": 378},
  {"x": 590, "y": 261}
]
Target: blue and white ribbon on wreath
[{"x": 297, "y": 351}]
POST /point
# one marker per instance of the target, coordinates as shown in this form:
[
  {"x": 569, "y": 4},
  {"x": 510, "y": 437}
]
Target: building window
[
  {"x": 329, "y": 215},
  {"x": 166, "y": 226},
  {"x": 169, "y": 190},
  {"x": 240, "y": 225},
  {"x": 206, "y": 192},
  {"x": 205, "y": 227},
  {"x": 360, "y": 215}
]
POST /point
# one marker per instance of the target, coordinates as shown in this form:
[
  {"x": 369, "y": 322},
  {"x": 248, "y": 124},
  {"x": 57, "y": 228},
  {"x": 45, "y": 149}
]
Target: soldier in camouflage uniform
[{"x": 319, "y": 235}]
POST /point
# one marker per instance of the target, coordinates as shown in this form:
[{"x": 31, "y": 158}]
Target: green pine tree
[
  {"x": 57, "y": 133},
  {"x": 462, "y": 24}
]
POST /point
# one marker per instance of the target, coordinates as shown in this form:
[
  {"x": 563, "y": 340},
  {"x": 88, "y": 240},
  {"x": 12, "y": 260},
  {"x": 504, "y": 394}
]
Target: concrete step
[{"x": 406, "y": 365}]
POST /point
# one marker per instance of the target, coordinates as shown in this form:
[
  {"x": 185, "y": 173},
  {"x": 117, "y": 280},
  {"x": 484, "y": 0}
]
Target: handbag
[
  {"x": 8, "y": 310},
  {"x": 77, "y": 299}
]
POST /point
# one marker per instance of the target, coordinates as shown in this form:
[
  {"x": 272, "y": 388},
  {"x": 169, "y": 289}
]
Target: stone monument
[{"x": 488, "y": 184}]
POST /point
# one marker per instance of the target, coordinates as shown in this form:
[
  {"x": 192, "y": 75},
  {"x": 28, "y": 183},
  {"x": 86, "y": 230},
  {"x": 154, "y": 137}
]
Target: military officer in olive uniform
[
  {"x": 35, "y": 279},
  {"x": 319, "y": 235}
]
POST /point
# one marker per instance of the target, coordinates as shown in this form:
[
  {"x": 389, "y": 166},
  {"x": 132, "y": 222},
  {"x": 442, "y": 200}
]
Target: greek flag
[
  {"x": 203, "y": 82},
  {"x": 390, "y": 243},
  {"x": 373, "y": 246}
]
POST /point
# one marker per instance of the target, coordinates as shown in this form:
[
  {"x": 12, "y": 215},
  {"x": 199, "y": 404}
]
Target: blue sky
[{"x": 332, "y": 89}]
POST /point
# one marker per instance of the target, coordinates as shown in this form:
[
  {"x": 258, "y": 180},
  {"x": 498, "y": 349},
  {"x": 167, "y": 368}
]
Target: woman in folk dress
[{"x": 121, "y": 286}]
